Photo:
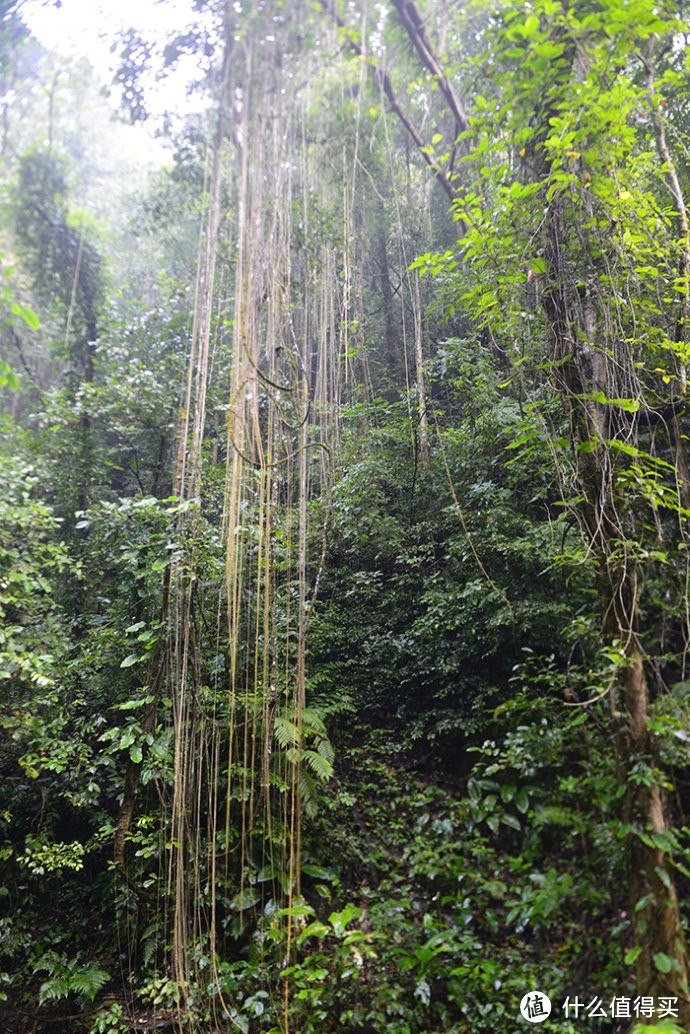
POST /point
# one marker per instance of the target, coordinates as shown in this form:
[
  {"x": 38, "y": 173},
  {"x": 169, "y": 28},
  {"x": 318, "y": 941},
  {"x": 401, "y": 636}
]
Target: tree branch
[
  {"x": 383, "y": 82},
  {"x": 411, "y": 21}
]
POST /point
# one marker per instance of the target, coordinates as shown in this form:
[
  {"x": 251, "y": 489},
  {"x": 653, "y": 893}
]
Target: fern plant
[
  {"x": 313, "y": 749},
  {"x": 68, "y": 977}
]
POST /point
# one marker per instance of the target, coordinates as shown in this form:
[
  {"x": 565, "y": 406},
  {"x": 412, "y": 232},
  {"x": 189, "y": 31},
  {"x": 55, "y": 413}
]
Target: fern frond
[
  {"x": 313, "y": 723},
  {"x": 307, "y": 788},
  {"x": 52, "y": 990},
  {"x": 89, "y": 982},
  {"x": 285, "y": 732},
  {"x": 325, "y": 749},
  {"x": 319, "y": 765}
]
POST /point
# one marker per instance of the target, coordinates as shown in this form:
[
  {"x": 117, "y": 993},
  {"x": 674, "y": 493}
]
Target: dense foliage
[{"x": 343, "y": 541}]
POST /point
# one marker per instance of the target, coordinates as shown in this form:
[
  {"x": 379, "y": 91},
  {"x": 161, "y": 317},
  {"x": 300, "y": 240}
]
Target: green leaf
[
  {"x": 315, "y": 929},
  {"x": 8, "y": 377},
  {"x": 663, "y": 963},
  {"x": 512, "y": 821},
  {"x": 245, "y": 899},
  {"x": 297, "y": 910},
  {"x": 132, "y": 705},
  {"x": 29, "y": 317},
  {"x": 317, "y": 872},
  {"x": 631, "y": 956},
  {"x": 130, "y": 660},
  {"x": 522, "y": 800}
]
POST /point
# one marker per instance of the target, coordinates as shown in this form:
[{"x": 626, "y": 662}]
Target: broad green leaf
[
  {"x": 512, "y": 821},
  {"x": 29, "y": 317},
  {"x": 245, "y": 899},
  {"x": 522, "y": 800}
]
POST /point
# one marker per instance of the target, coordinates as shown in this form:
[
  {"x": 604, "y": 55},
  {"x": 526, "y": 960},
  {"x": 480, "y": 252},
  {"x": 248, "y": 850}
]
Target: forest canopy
[{"x": 344, "y": 551}]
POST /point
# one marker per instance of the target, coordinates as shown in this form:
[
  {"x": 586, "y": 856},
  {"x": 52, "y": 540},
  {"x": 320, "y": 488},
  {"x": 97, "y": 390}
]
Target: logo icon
[{"x": 535, "y": 1006}]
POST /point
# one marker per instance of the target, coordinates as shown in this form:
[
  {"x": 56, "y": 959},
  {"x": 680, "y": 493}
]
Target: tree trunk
[
  {"x": 419, "y": 369},
  {"x": 387, "y": 298},
  {"x": 657, "y": 924},
  {"x": 654, "y": 909}
]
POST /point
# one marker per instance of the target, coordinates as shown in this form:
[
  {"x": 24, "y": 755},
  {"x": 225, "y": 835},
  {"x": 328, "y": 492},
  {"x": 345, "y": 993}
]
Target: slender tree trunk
[
  {"x": 387, "y": 298},
  {"x": 272, "y": 631},
  {"x": 358, "y": 295},
  {"x": 419, "y": 370}
]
